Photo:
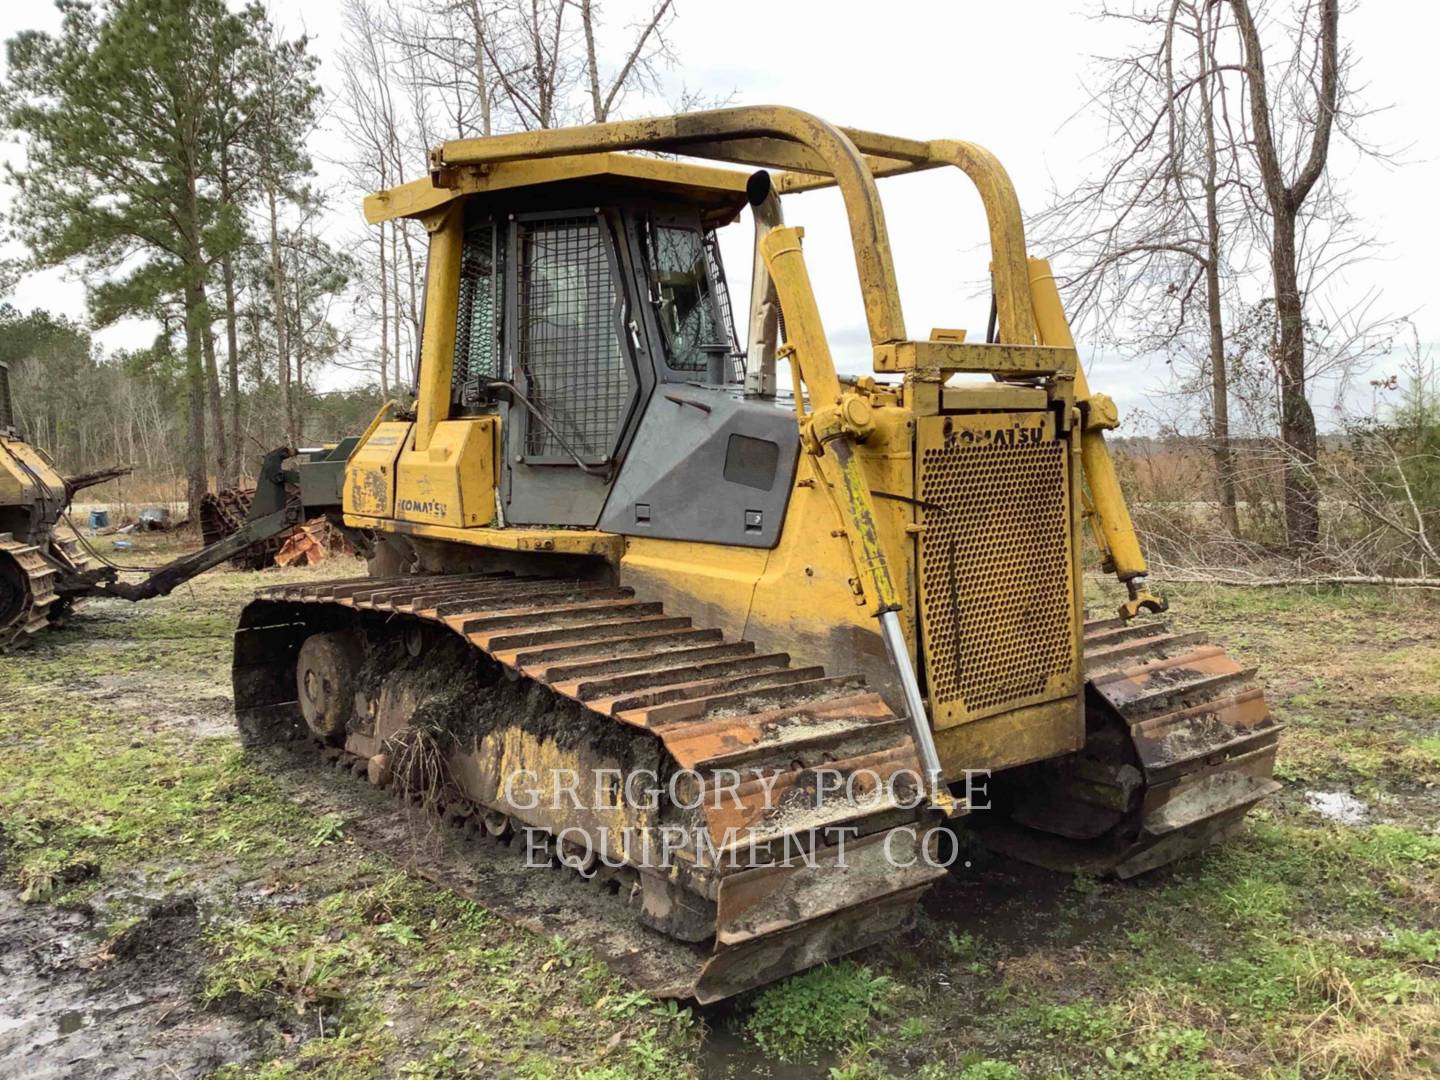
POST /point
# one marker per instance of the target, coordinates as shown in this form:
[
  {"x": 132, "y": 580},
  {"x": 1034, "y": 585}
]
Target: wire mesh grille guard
[
  {"x": 995, "y": 570},
  {"x": 570, "y": 351},
  {"x": 477, "y": 315}
]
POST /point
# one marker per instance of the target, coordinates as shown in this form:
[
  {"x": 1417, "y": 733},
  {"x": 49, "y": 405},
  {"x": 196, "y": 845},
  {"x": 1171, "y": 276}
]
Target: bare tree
[
  {"x": 637, "y": 69},
  {"x": 380, "y": 101},
  {"x": 1286, "y": 187},
  {"x": 1154, "y": 239},
  {"x": 1220, "y": 126},
  {"x": 415, "y": 72}
]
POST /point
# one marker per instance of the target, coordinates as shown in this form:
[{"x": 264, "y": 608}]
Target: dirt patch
[
  {"x": 546, "y": 900},
  {"x": 75, "y": 1005}
]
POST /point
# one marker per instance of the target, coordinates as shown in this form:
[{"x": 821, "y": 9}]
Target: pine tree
[{"x": 127, "y": 116}]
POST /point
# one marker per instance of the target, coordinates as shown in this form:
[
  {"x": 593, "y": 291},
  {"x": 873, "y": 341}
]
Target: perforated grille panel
[
  {"x": 570, "y": 351},
  {"x": 477, "y": 315},
  {"x": 995, "y": 563}
]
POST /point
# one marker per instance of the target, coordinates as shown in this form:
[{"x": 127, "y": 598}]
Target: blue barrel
[{"x": 99, "y": 519}]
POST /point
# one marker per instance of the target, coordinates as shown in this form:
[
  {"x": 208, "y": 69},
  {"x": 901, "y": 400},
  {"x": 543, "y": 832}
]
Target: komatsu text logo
[
  {"x": 429, "y": 506},
  {"x": 1011, "y": 436}
]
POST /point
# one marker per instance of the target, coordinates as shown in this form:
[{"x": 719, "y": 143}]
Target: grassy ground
[{"x": 1308, "y": 947}]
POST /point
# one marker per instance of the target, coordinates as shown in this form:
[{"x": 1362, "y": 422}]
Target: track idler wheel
[
  {"x": 326, "y": 678},
  {"x": 498, "y": 825}
]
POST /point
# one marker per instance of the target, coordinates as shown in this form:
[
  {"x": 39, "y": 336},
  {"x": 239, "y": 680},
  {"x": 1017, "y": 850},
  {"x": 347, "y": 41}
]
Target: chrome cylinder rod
[{"x": 914, "y": 703}]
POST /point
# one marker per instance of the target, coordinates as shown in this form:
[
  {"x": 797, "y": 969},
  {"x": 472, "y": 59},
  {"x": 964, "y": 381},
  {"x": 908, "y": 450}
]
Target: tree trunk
[
  {"x": 216, "y": 402},
  {"x": 1297, "y": 421},
  {"x": 482, "y": 78},
  {"x": 1219, "y": 376},
  {"x": 384, "y": 322},
  {"x": 412, "y": 369},
  {"x": 395, "y": 291},
  {"x": 197, "y": 328},
  {"x": 1220, "y": 406},
  {"x": 231, "y": 476},
  {"x": 232, "y": 359},
  {"x": 592, "y": 64},
  {"x": 297, "y": 349},
  {"x": 196, "y": 483},
  {"x": 282, "y": 325}
]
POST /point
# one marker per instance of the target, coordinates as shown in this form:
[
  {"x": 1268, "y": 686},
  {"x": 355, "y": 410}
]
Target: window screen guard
[
  {"x": 570, "y": 350},
  {"x": 478, "y": 314}
]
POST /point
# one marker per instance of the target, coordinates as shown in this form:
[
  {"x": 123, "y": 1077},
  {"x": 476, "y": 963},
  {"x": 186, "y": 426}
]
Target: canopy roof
[{"x": 803, "y": 151}]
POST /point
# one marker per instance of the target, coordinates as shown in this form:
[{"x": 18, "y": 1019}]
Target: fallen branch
[{"x": 1284, "y": 582}]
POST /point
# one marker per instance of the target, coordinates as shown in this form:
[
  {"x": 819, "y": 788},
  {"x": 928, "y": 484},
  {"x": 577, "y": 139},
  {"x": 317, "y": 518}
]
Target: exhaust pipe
[{"x": 765, "y": 321}]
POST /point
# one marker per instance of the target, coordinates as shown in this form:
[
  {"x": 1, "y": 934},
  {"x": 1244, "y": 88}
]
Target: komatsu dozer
[
  {"x": 37, "y": 550},
  {"x": 742, "y": 655}
]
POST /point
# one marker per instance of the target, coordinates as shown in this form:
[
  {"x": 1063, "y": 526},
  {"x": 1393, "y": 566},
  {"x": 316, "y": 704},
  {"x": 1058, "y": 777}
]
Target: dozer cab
[{"x": 610, "y": 546}]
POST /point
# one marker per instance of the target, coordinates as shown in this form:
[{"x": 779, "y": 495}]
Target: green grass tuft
[{"x": 818, "y": 1011}]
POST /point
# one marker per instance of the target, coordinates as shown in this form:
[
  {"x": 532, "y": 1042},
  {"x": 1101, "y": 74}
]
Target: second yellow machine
[{"x": 611, "y": 547}]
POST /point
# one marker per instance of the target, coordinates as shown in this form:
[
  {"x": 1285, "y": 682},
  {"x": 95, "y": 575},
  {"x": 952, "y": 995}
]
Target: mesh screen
[
  {"x": 722, "y": 296},
  {"x": 477, "y": 339},
  {"x": 995, "y": 572},
  {"x": 569, "y": 349}
]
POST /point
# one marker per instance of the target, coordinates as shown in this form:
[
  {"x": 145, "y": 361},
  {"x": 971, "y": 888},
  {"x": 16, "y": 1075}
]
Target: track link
[
  {"x": 67, "y": 551},
  {"x": 757, "y": 740},
  {"x": 27, "y": 591},
  {"x": 1180, "y": 746}
]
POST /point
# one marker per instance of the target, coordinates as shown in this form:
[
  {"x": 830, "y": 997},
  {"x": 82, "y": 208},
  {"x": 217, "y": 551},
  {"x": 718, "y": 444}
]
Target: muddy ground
[{"x": 172, "y": 907}]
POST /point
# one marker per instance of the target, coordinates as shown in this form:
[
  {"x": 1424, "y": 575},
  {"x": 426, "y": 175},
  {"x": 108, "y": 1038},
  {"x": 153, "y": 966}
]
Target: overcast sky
[{"x": 1008, "y": 76}]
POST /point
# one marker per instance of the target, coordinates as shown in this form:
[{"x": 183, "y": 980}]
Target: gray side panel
[
  {"x": 673, "y": 484},
  {"x": 546, "y": 494}
]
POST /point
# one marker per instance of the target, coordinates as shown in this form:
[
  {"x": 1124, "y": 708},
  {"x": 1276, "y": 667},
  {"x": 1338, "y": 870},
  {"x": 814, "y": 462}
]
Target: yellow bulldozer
[
  {"x": 39, "y": 553},
  {"x": 46, "y": 568},
  {"x": 742, "y": 656}
]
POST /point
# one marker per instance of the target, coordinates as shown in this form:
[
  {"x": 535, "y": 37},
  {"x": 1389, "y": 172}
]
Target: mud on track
[{"x": 1212, "y": 968}]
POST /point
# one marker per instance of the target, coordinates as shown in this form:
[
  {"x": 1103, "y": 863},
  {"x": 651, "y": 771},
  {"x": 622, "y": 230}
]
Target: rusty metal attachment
[{"x": 222, "y": 514}]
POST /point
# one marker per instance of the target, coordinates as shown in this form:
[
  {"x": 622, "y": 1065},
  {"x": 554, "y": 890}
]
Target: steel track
[{"x": 714, "y": 707}]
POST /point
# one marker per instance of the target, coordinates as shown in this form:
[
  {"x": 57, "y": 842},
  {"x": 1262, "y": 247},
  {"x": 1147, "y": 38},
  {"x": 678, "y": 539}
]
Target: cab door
[{"x": 572, "y": 347}]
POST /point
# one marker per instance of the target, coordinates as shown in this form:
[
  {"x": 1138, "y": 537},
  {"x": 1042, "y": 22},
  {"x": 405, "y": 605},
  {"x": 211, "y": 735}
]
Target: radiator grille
[
  {"x": 995, "y": 569},
  {"x": 570, "y": 348}
]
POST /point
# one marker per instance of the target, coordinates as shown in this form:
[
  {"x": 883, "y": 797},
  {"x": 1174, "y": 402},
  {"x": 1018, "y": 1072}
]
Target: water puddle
[
  {"x": 728, "y": 1055},
  {"x": 70, "y": 1021},
  {"x": 72, "y": 1006},
  {"x": 1338, "y": 806}
]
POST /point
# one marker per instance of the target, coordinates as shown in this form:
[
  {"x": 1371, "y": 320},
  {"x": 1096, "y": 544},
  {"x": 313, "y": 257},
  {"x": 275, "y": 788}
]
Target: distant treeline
[{"x": 87, "y": 410}]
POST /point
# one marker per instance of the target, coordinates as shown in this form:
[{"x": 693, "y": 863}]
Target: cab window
[{"x": 685, "y": 299}]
